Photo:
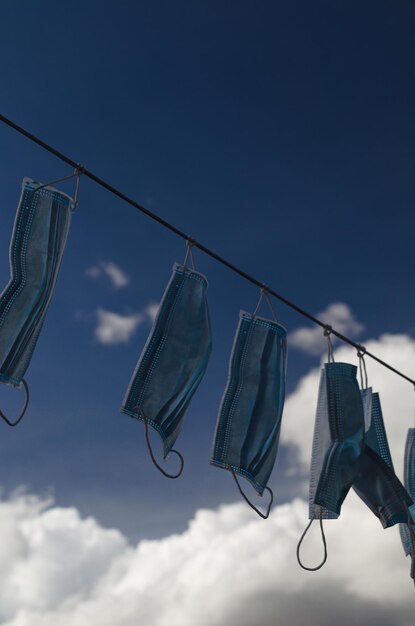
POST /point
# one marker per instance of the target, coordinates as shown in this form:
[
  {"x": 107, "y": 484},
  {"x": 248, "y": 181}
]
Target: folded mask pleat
[
  {"x": 174, "y": 359},
  {"x": 409, "y": 481},
  {"x": 36, "y": 250},
  {"x": 376, "y": 482},
  {"x": 249, "y": 421},
  {"x": 338, "y": 439}
]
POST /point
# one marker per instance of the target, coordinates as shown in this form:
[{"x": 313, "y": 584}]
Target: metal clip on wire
[
  {"x": 245, "y": 497},
  {"x": 327, "y": 333},
  {"x": 23, "y": 411},
  {"x": 361, "y": 351}
]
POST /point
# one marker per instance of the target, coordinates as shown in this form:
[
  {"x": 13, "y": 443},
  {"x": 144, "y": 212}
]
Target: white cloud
[
  {"x": 311, "y": 339},
  {"x": 114, "y": 328},
  {"x": 152, "y": 310},
  {"x": 116, "y": 275},
  {"x": 228, "y": 568}
]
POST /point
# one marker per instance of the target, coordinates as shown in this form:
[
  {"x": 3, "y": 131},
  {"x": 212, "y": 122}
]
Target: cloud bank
[{"x": 229, "y": 568}]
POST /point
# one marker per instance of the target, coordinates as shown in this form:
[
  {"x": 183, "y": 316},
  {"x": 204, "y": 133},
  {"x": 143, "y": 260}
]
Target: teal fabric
[
  {"x": 249, "y": 421},
  {"x": 174, "y": 359},
  {"x": 409, "y": 482},
  {"x": 376, "y": 482},
  {"x": 338, "y": 440},
  {"x": 38, "y": 242}
]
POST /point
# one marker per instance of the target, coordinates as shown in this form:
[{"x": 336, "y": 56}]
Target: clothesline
[{"x": 214, "y": 255}]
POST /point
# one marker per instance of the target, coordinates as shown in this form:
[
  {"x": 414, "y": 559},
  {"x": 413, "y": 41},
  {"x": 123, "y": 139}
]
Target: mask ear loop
[
  {"x": 362, "y": 367},
  {"x": 78, "y": 171},
  {"x": 327, "y": 333},
  {"x": 323, "y": 536},
  {"x": 265, "y": 294},
  {"x": 189, "y": 245},
  {"x": 23, "y": 411},
  {"x": 153, "y": 458},
  {"x": 245, "y": 497}
]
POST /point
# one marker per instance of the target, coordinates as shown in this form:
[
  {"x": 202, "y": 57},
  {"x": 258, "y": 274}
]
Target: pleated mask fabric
[
  {"x": 38, "y": 242},
  {"x": 338, "y": 440},
  {"x": 376, "y": 482},
  {"x": 174, "y": 359},
  {"x": 249, "y": 421},
  {"x": 409, "y": 482}
]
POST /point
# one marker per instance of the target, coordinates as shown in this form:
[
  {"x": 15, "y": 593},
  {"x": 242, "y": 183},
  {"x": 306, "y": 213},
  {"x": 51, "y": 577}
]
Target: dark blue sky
[{"x": 280, "y": 134}]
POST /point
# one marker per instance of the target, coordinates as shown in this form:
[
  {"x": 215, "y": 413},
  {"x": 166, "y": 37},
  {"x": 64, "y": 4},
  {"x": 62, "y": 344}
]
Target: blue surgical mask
[
  {"x": 173, "y": 362},
  {"x": 337, "y": 445},
  {"x": 376, "y": 482},
  {"x": 249, "y": 420},
  {"x": 38, "y": 242},
  {"x": 407, "y": 530}
]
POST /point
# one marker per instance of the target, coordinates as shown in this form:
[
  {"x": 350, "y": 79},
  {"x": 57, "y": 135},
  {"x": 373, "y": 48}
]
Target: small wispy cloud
[
  {"x": 114, "y": 328},
  {"x": 311, "y": 339},
  {"x": 111, "y": 270},
  {"x": 152, "y": 310}
]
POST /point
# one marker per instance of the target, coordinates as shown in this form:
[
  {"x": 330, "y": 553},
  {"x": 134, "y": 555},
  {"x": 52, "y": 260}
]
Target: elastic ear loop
[
  {"x": 153, "y": 458},
  {"x": 313, "y": 569},
  {"x": 327, "y": 333},
  {"x": 264, "y": 293},
  {"x": 362, "y": 367},
  {"x": 78, "y": 171},
  {"x": 245, "y": 497},
  {"x": 6, "y": 419},
  {"x": 189, "y": 246}
]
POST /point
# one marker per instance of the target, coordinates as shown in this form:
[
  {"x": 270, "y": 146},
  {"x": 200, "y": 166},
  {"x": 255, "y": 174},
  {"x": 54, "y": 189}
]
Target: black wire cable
[{"x": 196, "y": 244}]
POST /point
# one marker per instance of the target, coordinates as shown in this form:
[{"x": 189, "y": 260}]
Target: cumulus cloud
[
  {"x": 228, "y": 568},
  {"x": 311, "y": 339},
  {"x": 112, "y": 271},
  {"x": 114, "y": 328}
]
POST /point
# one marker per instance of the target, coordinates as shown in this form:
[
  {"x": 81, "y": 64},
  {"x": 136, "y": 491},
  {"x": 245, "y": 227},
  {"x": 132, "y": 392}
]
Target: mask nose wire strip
[
  {"x": 313, "y": 569},
  {"x": 263, "y": 515},
  {"x": 6, "y": 419},
  {"x": 153, "y": 458}
]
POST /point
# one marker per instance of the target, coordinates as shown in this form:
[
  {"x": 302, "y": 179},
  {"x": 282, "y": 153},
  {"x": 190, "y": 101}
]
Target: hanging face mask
[
  {"x": 337, "y": 445},
  {"x": 173, "y": 362},
  {"x": 407, "y": 530},
  {"x": 248, "y": 428},
  {"x": 38, "y": 242},
  {"x": 376, "y": 483}
]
